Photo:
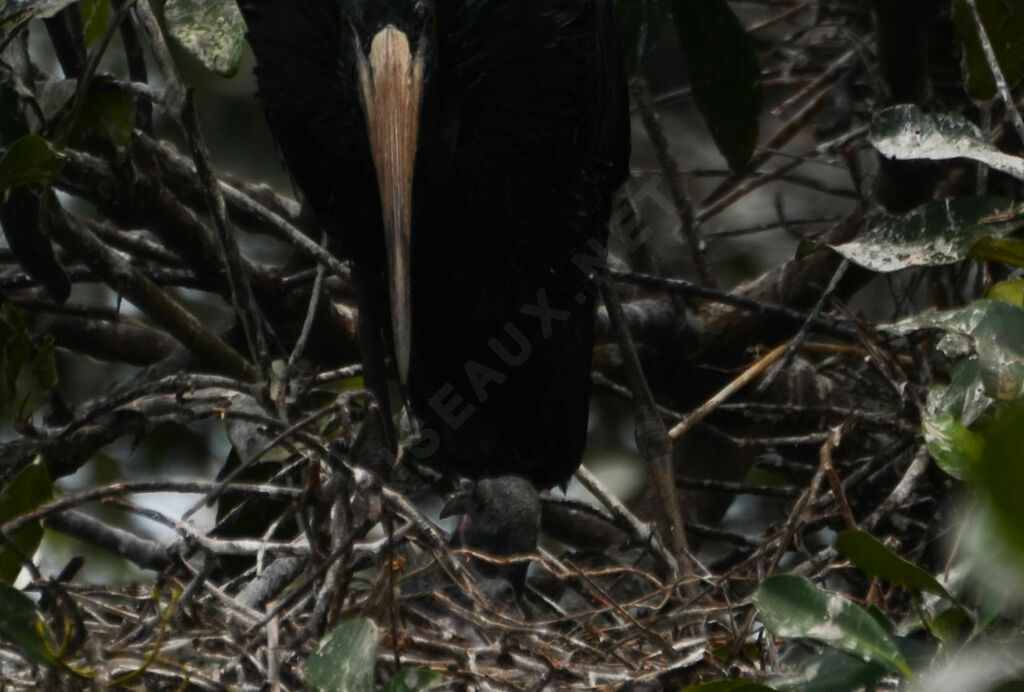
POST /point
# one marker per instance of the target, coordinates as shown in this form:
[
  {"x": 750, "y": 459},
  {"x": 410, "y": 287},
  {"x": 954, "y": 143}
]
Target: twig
[
  {"x": 724, "y": 394},
  {"x": 997, "y": 72},
  {"x": 676, "y": 182},
  {"x": 651, "y": 438}
]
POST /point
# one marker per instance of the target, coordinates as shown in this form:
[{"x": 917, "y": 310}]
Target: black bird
[
  {"x": 463, "y": 155},
  {"x": 502, "y": 516}
]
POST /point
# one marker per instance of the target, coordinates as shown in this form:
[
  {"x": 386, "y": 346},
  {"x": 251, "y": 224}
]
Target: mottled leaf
[
  {"x": 792, "y": 606},
  {"x": 939, "y": 232},
  {"x": 873, "y": 558},
  {"x": 17, "y": 622},
  {"x": 996, "y": 330},
  {"x": 907, "y": 132},
  {"x": 346, "y": 658},
  {"x": 723, "y": 71},
  {"x": 29, "y": 160},
  {"x": 1004, "y": 25},
  {"x": 964, "y": 398},
  {"x": 212, "y": 31}
]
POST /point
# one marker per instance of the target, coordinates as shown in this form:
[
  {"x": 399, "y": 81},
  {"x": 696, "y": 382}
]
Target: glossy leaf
[
  {"x": 212, "y": 31},
  {"x": 29, "y": 160},
  {"x": 936, "y": 233},
  {"x": 955, "y": 449},
  {"x": 873, "y": 558},
  {"x": 1011, "y": 292},
  {"x": 414, "y": 680},
  {"x": 996, "y": 331},
  {"x": 723, "y": 71},
  {"x": 831, "y": 671},
  {"x": 792, "y": 606},
  {"x": 17, "y": 622},
  {"x": 906, "y": 132},
  {"x": 346, "y": 658},
  {"x": 964, "y": 398},
  {"x": 1004, "y": 25},
  {"x": 28, "y": 490},
  {"x": 1006, "y": 250}
]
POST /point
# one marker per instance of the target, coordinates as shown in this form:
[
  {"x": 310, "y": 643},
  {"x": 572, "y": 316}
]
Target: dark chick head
[{"x": 501, "y": 517}]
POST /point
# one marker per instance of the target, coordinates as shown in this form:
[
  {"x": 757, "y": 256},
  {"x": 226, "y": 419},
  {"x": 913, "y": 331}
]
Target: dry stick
[
  {"x": 676, "y": 182},
  {"x": 724, "y": 394},
  {"x": 179, "y": 104},
  {"x": 997, "y": 73},
  {"x": 238, "y": 279},
  {"x": 825, "y": 455},
  {"x": 651, "y": 438},
  {"x": 798, "y": 340},
  {"x": 641, "y": 532},
  {"x": 146, "y": 295},
  {"x": 793, "y": 522}
]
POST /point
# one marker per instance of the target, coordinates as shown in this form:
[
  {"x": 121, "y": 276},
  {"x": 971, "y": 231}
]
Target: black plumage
[{"x": 517, "y": 116}]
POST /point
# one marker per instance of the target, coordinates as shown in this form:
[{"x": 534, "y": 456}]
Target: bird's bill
[
  {"x": 458, "y": 504},
  {"x": 391, "y": 81}
]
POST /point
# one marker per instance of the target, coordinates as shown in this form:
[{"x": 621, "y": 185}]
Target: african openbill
[{"x": 461, "y": 153}]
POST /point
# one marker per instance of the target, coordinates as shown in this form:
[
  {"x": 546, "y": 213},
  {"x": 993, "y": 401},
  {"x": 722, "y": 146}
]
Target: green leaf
[
  {"x": 44, "y": 367},
  {"x": 728, "y": 686},
  {"x": 1006, "y": 250},
  {"x": 873, "y": 558},
  {"x": 723, "y": 71},
  {"x": 831, "y": 671},
  {"x": 212, "y": 31},
  {"x": 792, "y": 606},
  {"x": 29, "y": 160},
  {"x": 28, "y": 490},
  {"x": 346, "y": 659},
  {"x": 96, "y": 16},
  {"x": 414, "y": 680},
  {"x": 939, "y": 232},
  {"x": 906, "y": 132},
  {"x": 955, "y": 449},
  {"x": 1004, "y": 25},
  {"x": 15, "y": 350},
  {"x": 17, "y": 622},
  {"x": 106, "y": 114},
  {"x": 1011, "y": 292},
  {"x": 996, "y": 331},
  {"x": 640, "y": 24},
  {"x": 1001, "y": 475},
  {"x": 964, "y": 398}
]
